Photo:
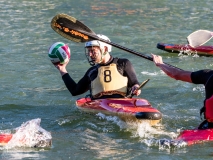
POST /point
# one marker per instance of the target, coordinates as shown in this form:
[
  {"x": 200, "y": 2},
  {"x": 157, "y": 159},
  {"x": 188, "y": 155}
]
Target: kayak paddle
[
  {"x": 199, "y": 37},
  {"x": 74, "y": 30},
  {"x": 141, "y": 86}
]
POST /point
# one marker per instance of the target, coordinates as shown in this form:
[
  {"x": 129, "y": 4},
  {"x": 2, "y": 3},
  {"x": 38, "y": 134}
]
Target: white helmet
[{"x": 99, "y": 43}]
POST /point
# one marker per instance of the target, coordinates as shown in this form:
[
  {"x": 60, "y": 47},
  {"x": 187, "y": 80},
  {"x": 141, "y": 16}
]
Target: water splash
[
  {"x": 148, "y": 136},
  {"x": 30, "y": 134},
  {"x": 186, "y": 50},
  {"x": 148, "y": 133},
  {"x": 164, "y": 144},
  {"x": 113, "y": 119}
]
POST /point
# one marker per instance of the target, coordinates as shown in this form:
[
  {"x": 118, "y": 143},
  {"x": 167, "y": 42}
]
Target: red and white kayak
[
  {"x": 195, "y": 136},
  {"x": 125, "y": 108},
  {"x": 186, "y": 49}
]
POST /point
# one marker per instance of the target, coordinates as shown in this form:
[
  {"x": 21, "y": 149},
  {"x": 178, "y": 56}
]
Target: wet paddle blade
[
  {"x": 71, "y": 28},
  {"x": 199, "y": 37}
]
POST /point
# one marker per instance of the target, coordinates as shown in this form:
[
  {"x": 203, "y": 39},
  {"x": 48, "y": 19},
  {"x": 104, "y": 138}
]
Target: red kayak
[
  {"x": 195, "y": 136},
  {"x": 5, "y": 138},
  {"x": 125, "y": 108},
  {"x": 186, "y": 49}
]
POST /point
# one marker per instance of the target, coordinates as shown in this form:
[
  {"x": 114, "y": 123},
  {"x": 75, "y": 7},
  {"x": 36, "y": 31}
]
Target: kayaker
[
  {"x": 204, "y": 77},
  {"x": 108, "y": 77}
]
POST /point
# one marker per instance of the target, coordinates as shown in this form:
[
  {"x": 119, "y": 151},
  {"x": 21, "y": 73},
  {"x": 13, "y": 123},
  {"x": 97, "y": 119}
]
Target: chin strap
[{"x": 102, "y": 55}]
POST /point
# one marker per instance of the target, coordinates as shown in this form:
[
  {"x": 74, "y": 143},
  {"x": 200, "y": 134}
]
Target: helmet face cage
[{"x": 89, "y": 59}]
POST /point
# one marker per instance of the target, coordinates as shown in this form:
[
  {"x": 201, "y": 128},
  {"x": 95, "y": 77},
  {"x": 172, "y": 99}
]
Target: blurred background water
[{"x": 31, "y": 87}]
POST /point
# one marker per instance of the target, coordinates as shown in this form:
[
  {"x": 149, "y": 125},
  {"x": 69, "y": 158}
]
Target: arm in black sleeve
[
  {"x": 131, "y": 74},
  {"x": 201, "y": 76},
  {"x": 128, "y": 71},
  {"x": 76, "y": 88}
]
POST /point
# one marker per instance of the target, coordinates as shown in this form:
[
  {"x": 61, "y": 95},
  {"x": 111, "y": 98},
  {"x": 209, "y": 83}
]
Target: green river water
[{"x": 31, "y": 87}]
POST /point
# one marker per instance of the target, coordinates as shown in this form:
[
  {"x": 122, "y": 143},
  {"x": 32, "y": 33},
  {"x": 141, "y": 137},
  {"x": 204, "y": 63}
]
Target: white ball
[{"x": 59, "y": 53}]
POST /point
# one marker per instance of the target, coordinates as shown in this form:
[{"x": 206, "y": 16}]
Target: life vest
[
  {"x": 109, "y": 81},
  {"x": 208, "y": 105},
  {"x": 209, "y": 109}
]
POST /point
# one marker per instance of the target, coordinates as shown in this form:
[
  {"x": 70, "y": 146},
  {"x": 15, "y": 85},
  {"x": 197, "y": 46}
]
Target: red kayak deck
[
  {"x": 126, "y": 108},
  {"x": 196, "y": 136},
  {"x": 186, "y": 49},
  {"x": 5, "y": 138}
]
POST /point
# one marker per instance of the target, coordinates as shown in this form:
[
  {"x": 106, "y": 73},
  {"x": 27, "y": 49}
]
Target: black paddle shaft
[
  {"x": 95, "y": 37},
  {"x": 74, "y": 30},
  {"x": 123, "y": 48}
]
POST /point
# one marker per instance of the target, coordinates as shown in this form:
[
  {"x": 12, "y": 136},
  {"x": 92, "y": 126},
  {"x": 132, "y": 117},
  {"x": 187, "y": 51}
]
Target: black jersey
[
  {"x": 204, "y": 77},
  {"x": 124, "y": 67}
]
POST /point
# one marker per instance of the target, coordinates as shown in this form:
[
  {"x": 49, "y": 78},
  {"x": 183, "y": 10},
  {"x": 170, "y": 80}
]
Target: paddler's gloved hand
[
  {"x": 62, "y": 68},
  {"x": 135, "y": 90}
]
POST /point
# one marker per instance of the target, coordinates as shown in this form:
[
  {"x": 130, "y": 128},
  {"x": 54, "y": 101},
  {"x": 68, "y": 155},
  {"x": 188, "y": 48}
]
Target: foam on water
[
  {"x": 30, "y": 134},
  {"x": 149, "y": 135},
  {"x": 150, "y": 74}
]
